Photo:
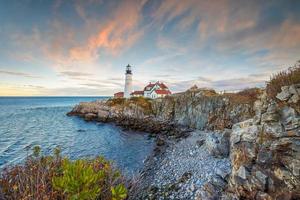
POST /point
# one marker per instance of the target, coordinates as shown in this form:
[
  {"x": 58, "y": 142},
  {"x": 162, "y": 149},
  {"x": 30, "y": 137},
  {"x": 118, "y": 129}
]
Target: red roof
[
  {"x": 137, "y": 93},
  {"x": 162, "y": 86},
  {"x": 162, "y": 91},
  {"x": 150, "y": 85},
  {"x": 119, "y": 94}
]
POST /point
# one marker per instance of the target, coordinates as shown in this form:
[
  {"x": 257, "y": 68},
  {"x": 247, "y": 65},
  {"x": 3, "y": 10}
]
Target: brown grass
[
  {"x": 144, "y": 103},
  {"x": 246, "y": 96},
  {"x": 283, "y": 78}
]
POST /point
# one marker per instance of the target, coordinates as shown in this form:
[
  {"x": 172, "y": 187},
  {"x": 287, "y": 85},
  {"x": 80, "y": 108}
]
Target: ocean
[{"x": 29, "y": 121}]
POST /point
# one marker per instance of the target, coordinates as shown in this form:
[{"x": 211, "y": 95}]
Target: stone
[
  {"x": 242, "y": 172},
  {"x": 200, "y": 142},
  {"x": 250, "y": 133},
  {"x": 223, "y": 172},
  {"x": 295, "y": 167},
  {"x": 269, "y": 117},
  {"x": 257, "y": 119},
  {"x": 263, "y": 196},
  {"x": 160, "y": 141},
  {"x": 272, "y": 108},
  {"x": 229, "y": 196},
  {"x": 264, "y": 156},
  {"x": 89, "y": 116},
  {"x": 274, "y": 129},
  {"x": 261, "y": 177},
  {"x": 287, "y": 114},
  {"x": 242, "y": 124},
  {"x": 284, "y": 94},
  {"x": 293, "y": 89},
  {"x": 294, "y": 125},
  {"x": 294, "y": 99},
  {"x": 258, "y": 106},
  {"x": 217, "y": 144},
  {"x": 281, "y": 173},
  {"x": 103, "y": 114}
]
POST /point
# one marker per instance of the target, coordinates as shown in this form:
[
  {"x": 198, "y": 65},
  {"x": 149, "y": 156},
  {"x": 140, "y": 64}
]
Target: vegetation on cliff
[
  {"x": 283, "y": 78},
  {"x": 57, "y": 177},
  {"x": 142, "y": 102}
]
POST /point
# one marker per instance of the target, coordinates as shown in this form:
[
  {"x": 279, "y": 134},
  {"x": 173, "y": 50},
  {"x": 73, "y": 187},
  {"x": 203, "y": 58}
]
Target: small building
[
  {"x": 160, "y": 93},
  {"x": 152, "y": 90},
  {"x": 155, "y": 90},
  {"x": 137, "y": 94},
  {"x": 119, "y": 95}
]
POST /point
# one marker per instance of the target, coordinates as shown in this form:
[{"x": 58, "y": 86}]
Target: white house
[{"x": 153, "y": 90}]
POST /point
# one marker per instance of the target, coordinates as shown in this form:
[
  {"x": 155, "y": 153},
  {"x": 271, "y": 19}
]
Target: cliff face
[
  {"x": 264, "y": 135},
  {"x": 201, "y": 109},
  {"x": 265, "y": 150},
  {"x": 197, "y": 109}
]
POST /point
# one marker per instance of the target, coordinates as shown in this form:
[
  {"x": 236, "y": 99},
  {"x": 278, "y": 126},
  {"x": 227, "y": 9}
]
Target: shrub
[
  {"x": 115, "y": 101},
  {"x": 283, "y": 78},
  {"x": 144, "y": 103},
  {"x": 54, "y": 177},
  {"x": 246, "y": 96}
]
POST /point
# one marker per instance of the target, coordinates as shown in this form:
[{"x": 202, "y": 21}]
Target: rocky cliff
[
  {"x": 265, "y": 150},
  {"x": 202, "y": 109},
  {"x": 261, "y": 137},
  {"x": 195, "y": 108}
]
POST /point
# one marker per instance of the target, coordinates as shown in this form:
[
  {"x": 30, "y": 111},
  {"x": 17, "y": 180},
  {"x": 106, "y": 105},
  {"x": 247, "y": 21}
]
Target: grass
[
  {"x": 144, "y": 103},
  {"x": 246, "y": 96},
  {"x": 57, "y": 177},
  {"x": 283, "y": 78}
]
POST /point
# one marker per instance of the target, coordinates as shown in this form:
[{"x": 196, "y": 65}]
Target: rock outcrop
[
  {"x": 202, "y": 109},
  {"x": 261, "y": 138},
  {"x": 265, "y": 150},
  {"x": 195, "y": 109}
]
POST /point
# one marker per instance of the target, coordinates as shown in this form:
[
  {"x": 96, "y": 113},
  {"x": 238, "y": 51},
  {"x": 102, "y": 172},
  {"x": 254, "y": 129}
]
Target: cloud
[
  {"x": 75, "y": 74},
  {"x": 224, "y": 84},
  {"x": 68, "y": 47},
  {"x": 13, "y": 73}
]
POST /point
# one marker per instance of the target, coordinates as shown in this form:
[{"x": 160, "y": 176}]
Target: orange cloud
[{"x": 118, "y": 33}]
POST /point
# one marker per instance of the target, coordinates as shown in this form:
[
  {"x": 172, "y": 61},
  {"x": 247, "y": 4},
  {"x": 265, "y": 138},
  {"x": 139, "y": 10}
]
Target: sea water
[{"x": 29, "y": 121}]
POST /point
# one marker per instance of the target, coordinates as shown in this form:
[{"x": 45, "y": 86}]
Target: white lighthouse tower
[{"x": 128, "y": 82}]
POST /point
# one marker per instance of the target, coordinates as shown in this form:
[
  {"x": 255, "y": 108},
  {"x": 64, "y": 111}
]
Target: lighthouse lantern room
[{"x": 128, "y": 82}]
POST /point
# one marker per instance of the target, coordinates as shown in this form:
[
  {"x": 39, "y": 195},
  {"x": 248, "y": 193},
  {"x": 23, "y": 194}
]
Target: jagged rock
[
  {"x": 293, "y": 89},
  {"x": 274, "y": 129},
  {"x": 90, "y": 116},
  {"x": 294, "y": 99},
  {"x": 160, "y": 141},
  {"x": 242, "y": 172},
  {"x": 262, "y": 196},
  {"x": 287, "y": 115},
  {"x": 245, "y": 132},
  {"x": 103, "y": 115},
  {"x": 284, "y": 94},
  {"x": 269, "y": 117},
  {"x": 212, "y": 189},
  {"x": 268, "y": 166},
  {"x": 229, "y": 196},
  {"x": 262, "y": 178},
  {"x": 200, "y": 142},
  {"x": 264, "y": 156},
  {"x": 218, "y": 144}
]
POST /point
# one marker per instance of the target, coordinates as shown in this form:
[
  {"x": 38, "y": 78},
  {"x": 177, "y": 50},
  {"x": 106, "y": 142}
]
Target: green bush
[{"x": 55, "y": 177}]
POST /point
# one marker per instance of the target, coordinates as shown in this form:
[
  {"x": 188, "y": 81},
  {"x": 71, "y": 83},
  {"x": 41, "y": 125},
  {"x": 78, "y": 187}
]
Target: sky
[{"x": 81, "y": 47}]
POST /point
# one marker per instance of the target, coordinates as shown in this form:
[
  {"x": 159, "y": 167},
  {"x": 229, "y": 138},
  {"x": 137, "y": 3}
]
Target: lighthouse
[{"x": 128, "y": 82}]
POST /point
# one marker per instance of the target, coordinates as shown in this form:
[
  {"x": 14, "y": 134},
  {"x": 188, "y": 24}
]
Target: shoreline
[{"x": 197, "y": 129}]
